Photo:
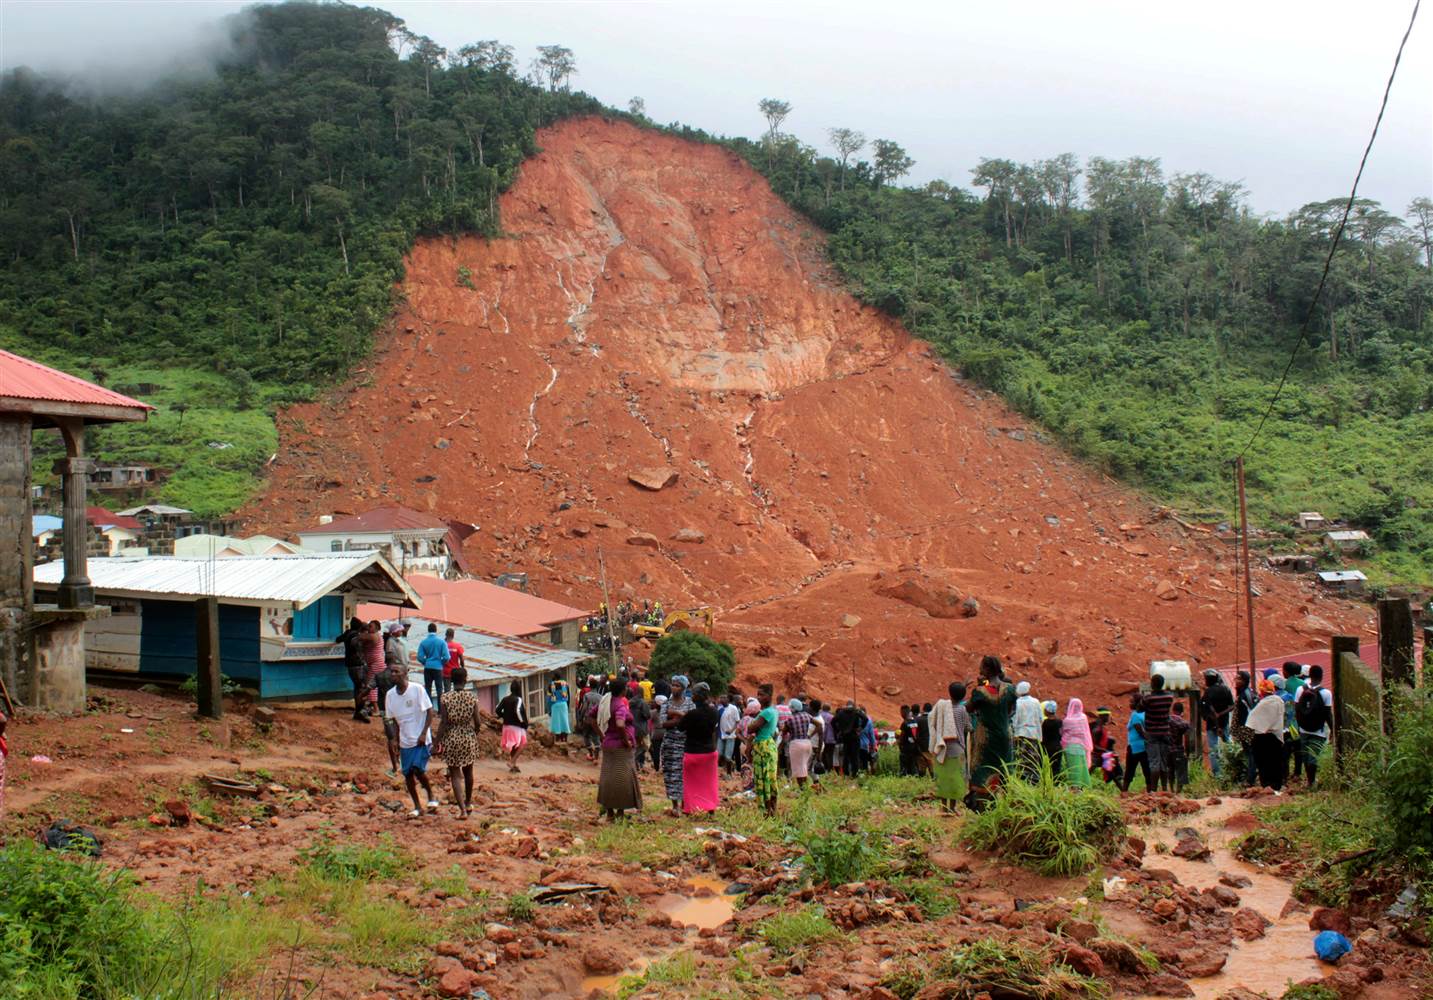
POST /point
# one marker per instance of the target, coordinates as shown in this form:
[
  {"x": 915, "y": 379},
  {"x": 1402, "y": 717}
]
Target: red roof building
[
  {"x": 29, "y": 387},
  {"x": 413, "y": 541},
  {"x": 102, "y": 518},
  {"x": 486, "y": 607}
]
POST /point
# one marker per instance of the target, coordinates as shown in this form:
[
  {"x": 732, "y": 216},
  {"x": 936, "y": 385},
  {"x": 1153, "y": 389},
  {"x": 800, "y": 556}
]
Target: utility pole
[
  {"x": 1244, "y": 545},
  {"x": 611, "y": 642}
]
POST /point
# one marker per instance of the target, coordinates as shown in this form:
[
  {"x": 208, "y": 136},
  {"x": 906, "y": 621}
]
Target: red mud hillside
[{"x": 656, "y": 313}]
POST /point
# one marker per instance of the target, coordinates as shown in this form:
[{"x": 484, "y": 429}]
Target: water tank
[{"x": 1175, "y": 673}]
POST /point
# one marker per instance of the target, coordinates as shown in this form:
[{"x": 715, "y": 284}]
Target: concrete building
[
  {"x": 42, "y": 645},
  {"x": 278, "y": 616},
  {"x": 414, "y": 542},
  {"x": 205, "y": 546},
  {"x": 1347, "y": 541},
  {"x": 1344, "y": 581},
  {"x": 1310, "y": 520}
]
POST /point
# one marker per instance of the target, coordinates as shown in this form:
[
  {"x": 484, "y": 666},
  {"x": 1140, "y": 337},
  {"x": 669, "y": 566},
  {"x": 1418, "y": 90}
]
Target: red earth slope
[{"x": 655, "y": 305}]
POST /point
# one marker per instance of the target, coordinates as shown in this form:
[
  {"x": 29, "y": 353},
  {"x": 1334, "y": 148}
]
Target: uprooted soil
[
  {"x": 851, "y": 505},
  {"x": 1164, "y": 922}
]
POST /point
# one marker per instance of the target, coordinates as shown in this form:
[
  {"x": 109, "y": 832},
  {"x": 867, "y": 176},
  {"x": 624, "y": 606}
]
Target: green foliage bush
[
  {"x": 1008, "y": 968},
  {"x": 1049, "y": 827},
  {"x": 695, "y": 655},
  {"x": 785, "y": 933},
  {"x": 1403, "y": 785},
  {"x": 345, "y": 862},
  {"x": 836, "y": 857}
]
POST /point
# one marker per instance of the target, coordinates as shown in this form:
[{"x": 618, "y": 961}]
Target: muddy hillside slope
[{"x": 859, "y": 514}]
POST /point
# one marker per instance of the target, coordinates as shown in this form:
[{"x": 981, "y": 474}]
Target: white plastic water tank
[{"x": 1175, "y": 673}]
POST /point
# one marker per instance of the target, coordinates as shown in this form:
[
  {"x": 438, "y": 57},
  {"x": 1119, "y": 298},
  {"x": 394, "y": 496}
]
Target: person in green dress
[
  {"x": 992, "y": 700},
  {"x": 949, "y": 730},
  {"x": 761, "y": 749}
]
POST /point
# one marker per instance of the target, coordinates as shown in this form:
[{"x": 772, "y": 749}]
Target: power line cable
[{"x": 1337, "y": 236}]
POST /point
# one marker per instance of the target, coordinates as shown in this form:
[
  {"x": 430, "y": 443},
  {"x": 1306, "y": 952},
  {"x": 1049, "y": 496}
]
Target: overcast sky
[{"x": 1279, "y": 94}]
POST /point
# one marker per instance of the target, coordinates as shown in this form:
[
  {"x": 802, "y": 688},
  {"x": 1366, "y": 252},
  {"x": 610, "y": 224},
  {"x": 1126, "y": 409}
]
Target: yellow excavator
[{"x": 678, "y": 621}]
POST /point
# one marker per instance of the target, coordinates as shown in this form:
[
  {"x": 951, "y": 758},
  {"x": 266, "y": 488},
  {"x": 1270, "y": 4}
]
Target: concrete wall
[
  {"x": 16, "y": 551},
  {"x": 60, "y": 667}
]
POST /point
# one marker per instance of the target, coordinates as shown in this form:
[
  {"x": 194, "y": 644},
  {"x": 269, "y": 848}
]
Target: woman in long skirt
[
  {"x": 674, "y": 741},
  {"x": 949, "y": 726},
  {"x": 617, "y": 786},
  {"x": 699, "y": 760},
  {"x": 1267, "y": 721},
  {"x": 558, "y": 722},
  {"x": 1076, "y": 744},
  {"x": 797, "y": 729},
  {"x": 761, "y": 738}
]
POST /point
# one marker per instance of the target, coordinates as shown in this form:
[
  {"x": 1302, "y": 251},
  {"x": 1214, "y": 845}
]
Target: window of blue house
[{"x": 323, "y": 619}]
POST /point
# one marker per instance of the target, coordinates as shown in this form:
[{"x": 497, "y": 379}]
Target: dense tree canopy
[{"x": 252, "y": 225}]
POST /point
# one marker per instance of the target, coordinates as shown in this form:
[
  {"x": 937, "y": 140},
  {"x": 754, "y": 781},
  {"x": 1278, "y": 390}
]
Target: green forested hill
[{"x": 241, "y": 235}]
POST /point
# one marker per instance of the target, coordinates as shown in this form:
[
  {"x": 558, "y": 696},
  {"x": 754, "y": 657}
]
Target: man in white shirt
[
  {"x": 411, "y": 711},
  {"x": 726, "y": 725},
  {"x": 1026, "y": 730}
]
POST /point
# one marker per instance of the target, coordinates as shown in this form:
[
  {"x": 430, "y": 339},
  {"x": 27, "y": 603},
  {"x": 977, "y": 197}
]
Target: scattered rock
[
  {"x": 1250, "y": 924},
  {"x": 458, "y": 982},
  {"x": 1081, "y": 930},
  {"x": 178, "y": 811},
  {"x": 1191, "y": 849},
  {"x": 644, "y": 539},
  {"x": 934, "y": 596},
  {"x": 691, "y": 536},
  {"x": 605, "y": 960},
  {"x": 1119, "y": 954},
  {"x": 1329, "y": 918},
  {"x": 969, "y": 607},
  {"x": 1083, "y": 960},
  {"x": 1165, "y": 984},
  {"x": 1044, "y": 646},
  {"x": 655, "y": 478},
  {"x": 1200, "y": 962},
  {"x": 1223, "y": 895},
  {"x": 1166, "y": 591},
  {"x": 1066, "y": 667},
  {"x": 1165, "y": 908},
  {"x": 1235, "y": 881},
  {"x": 850, "y": 621},
  {"x": 499, "y": 933}
]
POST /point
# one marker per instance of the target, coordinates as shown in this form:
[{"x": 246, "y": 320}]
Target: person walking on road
[
  {"x": 514, "y": 715},
  {"x": 411, "y": 714},
  {"x": 433, "y": 655},
  {"x": 457, "y": 739}
]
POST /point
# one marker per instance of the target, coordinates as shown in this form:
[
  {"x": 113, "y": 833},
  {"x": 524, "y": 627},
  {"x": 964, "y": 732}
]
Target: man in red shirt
[{"x": 455, "y": 658}]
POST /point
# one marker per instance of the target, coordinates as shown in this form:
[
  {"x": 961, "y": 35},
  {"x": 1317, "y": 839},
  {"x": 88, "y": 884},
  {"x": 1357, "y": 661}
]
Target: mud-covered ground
[{"x": 461, "y": 908}]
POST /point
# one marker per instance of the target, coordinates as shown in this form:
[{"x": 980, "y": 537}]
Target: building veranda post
[{"x": 42, "y": 645}]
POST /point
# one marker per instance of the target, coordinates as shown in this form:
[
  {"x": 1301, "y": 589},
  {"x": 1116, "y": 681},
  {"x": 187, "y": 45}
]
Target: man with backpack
[{"x": 1313, "y": 710}]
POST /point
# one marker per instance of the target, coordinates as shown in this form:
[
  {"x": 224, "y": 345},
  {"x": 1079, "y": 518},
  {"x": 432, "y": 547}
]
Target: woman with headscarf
[
  {"x": 700, "y": 768},
  {"x": 761, "y": 736},
  {"x": 991, "y": 703},
  {"x": 1077, "y": 744},
  {"x": 949, "y": 725},
  {"x": 674, "y": 740},
  {"x": 1266, "y": 719},
  {"x": 617, "y": 786},
  {"x": 558, "y": 721},
  {"x": 797, "y": 731}
]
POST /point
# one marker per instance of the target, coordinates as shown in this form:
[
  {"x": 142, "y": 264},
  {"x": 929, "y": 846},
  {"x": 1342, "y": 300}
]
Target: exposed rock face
[
  {"x": 935, "y": 597},
  {"x": 654, "y": 306},
  {"x": 654, "y": 479}
]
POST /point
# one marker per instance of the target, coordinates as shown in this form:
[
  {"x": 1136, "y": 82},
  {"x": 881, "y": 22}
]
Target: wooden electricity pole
[
  {"x": 1248, "y": 579},
  {"x": 607, "y": 602}
]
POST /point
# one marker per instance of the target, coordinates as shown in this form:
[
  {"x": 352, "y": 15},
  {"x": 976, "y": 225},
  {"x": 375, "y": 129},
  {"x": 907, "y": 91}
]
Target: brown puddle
[
  {"x": 1285, "y": 953},
  {"x": 709, "y": 908}
]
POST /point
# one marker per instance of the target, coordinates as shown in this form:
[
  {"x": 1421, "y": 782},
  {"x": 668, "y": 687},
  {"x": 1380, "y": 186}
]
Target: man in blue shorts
[{"x": 409, "y": 709}]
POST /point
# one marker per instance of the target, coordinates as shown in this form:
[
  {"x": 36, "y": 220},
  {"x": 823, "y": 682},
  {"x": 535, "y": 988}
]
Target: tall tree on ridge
[{"x": 847, "y": 143}]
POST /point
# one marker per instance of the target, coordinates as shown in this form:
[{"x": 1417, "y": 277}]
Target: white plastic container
[{"x": 1175, "y": 673}]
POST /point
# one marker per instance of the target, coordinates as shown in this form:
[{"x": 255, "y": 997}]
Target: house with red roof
[
  {"x": 412, "y": 541},
  {"x": 486, "y": 607}
]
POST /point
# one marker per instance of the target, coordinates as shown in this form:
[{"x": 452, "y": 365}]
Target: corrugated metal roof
[
  {"x": 488, "y": 657},
  {"x": 41, "y": 523},
  {"x": 155, "y": 508},
  {"x": 1341, "y": 576},
  {"x": 1348, "y": 536},
  {"x": 297, "y": 579},
  {"x": 21, "y": 378},
  {"x": 488, "y": 607}
]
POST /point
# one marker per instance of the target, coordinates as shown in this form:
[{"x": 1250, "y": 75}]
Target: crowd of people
[
  {"x": 968, "y": 742},
  {"x": 598, "y": 633}
]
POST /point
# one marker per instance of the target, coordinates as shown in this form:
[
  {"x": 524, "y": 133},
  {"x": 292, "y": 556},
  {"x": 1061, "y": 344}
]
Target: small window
[
  {"x": 555, "y": 636},
  {"x": 336, "y": 545}
]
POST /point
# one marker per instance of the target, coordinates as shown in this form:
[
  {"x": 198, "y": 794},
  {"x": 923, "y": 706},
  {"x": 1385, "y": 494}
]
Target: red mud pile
[{"x": 657, "y": 361}]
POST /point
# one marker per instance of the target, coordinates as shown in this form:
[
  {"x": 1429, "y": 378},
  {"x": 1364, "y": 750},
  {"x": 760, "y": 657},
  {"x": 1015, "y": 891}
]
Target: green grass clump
[
  {"x": 520, "y": 906},
  {"x": 1012, "y": 969},
  {"x": 839, "y": 856},
  {"x": 71, "y": 928},
  {"x": 354, "y": 862},
  {"x": 1313, "y": 991},
  {"x": 1048, "y": 827},
  {"x": 785, "y": 933},
  {"x": 678, "y": 970}
]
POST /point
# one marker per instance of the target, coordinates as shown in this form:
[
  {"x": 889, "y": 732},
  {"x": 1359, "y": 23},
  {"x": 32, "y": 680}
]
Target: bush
[
  {"x": 351, "y": 862},
  {"x": 838, "y": 856},
  {"x": 1049, "y": 827},
  {"x": 699, "y": 657},
  {"x": 520, "y": 907},
  {"x": 1011, "y": 969},
  {"x": 1403, "y": 784},
  {"x": 786, "y": 932}
]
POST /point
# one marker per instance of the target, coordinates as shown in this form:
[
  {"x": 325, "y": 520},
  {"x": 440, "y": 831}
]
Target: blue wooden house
[{"x": 278, "y": 616}]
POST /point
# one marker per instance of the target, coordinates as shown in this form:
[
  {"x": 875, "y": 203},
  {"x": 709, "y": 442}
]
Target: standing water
[
  {"x": 1285, "y": 953},
  {"x": 707, "y": 908}
]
